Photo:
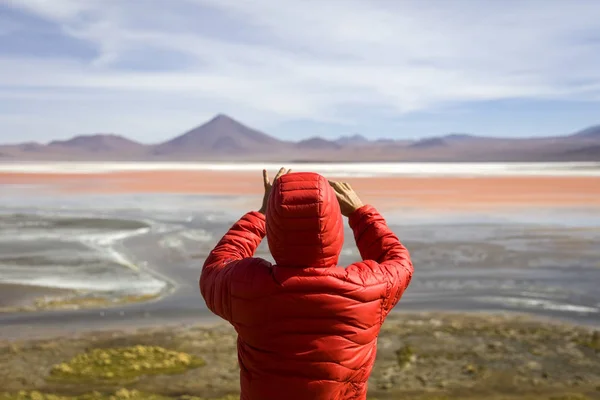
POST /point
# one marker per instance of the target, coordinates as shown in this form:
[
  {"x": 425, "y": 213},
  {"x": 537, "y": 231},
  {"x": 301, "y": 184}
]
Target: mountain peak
[
  {"x": 97, "y": 142},
  {"x": 591, "y": 132},
  {"x": 222, "y": 134},
  {"x": 222, "y": 118}
]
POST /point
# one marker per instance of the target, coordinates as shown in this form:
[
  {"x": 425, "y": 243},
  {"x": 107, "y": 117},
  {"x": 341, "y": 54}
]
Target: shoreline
[
  {"x": 130, "y": 322},
  {"x": 41, "y": 298},
  {"x": 396, "y": 192},
  {"x": 16, "y": 296}
]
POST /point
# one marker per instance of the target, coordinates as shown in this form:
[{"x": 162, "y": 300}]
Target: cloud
[{"x": 315, "y": 60}]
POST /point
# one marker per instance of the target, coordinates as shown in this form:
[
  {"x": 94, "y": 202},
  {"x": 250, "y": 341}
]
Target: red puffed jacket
[{"x": 307, "y": 328}]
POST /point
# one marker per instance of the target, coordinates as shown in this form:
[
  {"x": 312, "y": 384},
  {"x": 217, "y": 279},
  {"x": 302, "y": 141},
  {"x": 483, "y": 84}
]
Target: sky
[{"x": 153, "y": 69}]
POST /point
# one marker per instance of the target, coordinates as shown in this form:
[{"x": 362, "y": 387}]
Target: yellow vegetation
[{"x": 124, "y": 363}]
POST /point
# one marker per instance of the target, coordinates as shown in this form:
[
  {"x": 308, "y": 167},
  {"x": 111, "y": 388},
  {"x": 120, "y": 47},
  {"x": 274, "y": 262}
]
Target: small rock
[
  {"x": 385, "y": 385},
  {"x": 435, "y": 322},
  {"x": 536, "y": 352},
  {"x": 495, "y": 345},
  {"x": 472, "y": 370},
  {"x": 533, "y": 366},
  {"x": 545, "y": 375}
]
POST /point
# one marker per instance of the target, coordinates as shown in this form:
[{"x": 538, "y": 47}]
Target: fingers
[
  {"x": 265, "y": 178},
  {"x": 267, "y": 182},
  {"x": 340, "y": 186},
  {"x": 282, "y": 171},
  {"x": 338, "y": 189}
]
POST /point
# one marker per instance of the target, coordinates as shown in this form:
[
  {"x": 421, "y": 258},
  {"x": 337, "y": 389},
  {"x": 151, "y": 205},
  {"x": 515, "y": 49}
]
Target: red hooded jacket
[{"x": 307, "y": 328}]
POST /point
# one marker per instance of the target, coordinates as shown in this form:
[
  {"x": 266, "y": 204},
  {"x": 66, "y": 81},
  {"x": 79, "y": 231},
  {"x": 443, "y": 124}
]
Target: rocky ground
[{"x": 424, "y": 356}]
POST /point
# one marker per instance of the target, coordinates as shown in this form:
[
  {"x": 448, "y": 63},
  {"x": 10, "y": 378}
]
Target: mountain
[
  {"x": 92, "y": 143},
  {"x": 428, "y": 143},
  {"x": 354, "y": 140},
  {"x": 584, "y": 153},
  {"x": 220, "y": 135},
  {"x": 385, "y": 141},
  {"x": 593, "y": 132},
  {"x": 459, "y": 137},
  {"x": 317, "y": 143},
  {"x": 31, "y": 147},
  {"x": 225, "y": 139}
]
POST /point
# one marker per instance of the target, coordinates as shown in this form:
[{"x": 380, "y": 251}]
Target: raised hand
[
  {"x": 347, "y": 197},
  {"x": 269, "y": 186}
]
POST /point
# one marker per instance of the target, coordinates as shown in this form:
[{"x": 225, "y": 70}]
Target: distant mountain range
[{"x": 225, "y": 139}]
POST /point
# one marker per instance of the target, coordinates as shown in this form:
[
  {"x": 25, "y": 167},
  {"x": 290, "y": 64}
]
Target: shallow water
[
  {"x": 542, "y": 262},
  {"x": 61, "y": 251}
]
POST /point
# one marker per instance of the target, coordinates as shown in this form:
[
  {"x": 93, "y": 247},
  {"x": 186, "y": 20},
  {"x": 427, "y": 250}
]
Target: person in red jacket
[{"x": 307, "y": 328}]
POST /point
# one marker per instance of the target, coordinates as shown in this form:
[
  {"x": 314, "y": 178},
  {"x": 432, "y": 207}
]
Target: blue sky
[{"x": 151, "y": 69}]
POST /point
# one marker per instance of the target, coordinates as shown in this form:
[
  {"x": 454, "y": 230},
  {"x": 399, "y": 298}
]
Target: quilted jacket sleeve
[
  {"x": 233, "y": 252},
  {"x": 382, "y": 253}
]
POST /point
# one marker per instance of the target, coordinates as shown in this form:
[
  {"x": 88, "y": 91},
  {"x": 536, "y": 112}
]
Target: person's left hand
[{"x": 269, "y": 186}]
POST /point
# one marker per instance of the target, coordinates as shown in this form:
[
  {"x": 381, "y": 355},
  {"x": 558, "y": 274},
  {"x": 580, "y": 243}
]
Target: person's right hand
[{"x": 347, "y": 197}]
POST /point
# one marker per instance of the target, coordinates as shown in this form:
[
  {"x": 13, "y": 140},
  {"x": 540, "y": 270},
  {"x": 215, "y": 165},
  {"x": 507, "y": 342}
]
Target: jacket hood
[{"x": 304, "y": 223}]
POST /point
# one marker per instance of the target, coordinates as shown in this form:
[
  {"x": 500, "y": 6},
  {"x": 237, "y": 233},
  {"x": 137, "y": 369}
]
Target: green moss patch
[
  {"x": 124, "y": 363},
  {"x": 405, "y": 355},
  {"x": 592, "y": 341}
]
